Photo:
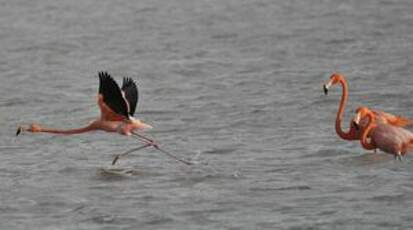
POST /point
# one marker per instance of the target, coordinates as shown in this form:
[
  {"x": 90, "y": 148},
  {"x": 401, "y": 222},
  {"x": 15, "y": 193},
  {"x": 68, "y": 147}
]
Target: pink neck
[
  {"x": 366, "y": 132},
  {"x": 344, "y": 135},
  {"x": 69, "y": 131}
]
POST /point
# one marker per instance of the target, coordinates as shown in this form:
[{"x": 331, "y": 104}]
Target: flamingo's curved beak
[
  {"x": 356, "y": 125},
  {"x": 356, "y": 121},
  {"x": 19, "y": 130},
  {"x": 325, "y": 89},
  {"x": 326, "y": 86}
]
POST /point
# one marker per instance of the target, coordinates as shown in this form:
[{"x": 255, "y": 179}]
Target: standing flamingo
[
  {"x": 117, "y": 106},
  {"x": 388, "y": 138},
  {"x": 354, "y": 133}
]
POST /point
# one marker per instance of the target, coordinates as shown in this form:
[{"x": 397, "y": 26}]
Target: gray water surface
[{"x": 237, "y": 83}]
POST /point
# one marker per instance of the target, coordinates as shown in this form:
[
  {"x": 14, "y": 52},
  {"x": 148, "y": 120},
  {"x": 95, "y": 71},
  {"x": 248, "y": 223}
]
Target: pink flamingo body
[
  {"x": 117, "y": 106},
  {"x": 390, "y": 139}
]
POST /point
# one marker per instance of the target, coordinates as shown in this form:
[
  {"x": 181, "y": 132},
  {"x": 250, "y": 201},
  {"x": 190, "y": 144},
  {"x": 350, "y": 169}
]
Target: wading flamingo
[
  {"x": 117, "y": 106},
  {"x": 388, "y": 138},
  {"x": 354, "y": 133}
]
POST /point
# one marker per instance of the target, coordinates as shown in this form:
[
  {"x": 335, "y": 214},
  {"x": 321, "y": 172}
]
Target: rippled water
[{"x": 237, "y": 83}]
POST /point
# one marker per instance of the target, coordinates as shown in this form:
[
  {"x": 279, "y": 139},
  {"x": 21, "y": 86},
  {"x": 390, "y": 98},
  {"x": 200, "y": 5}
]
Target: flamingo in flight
[
  {"x": 388, "y": 138},
  {"x": 354, "y": 132},
  {"x": 117, "y": 107}
]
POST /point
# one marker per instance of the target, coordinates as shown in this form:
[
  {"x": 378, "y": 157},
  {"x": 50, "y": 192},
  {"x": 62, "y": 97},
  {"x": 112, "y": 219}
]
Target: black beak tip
[
  {"x": 325, "y": 90},
  {"x": 19, "y": 130},
  {"x": 356, "y": 126}
]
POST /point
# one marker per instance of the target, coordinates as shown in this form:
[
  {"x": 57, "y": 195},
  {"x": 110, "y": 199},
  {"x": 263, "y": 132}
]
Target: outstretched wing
[
  {"x": 112, "y": 95},
  {"x": 130, "y": 90}
]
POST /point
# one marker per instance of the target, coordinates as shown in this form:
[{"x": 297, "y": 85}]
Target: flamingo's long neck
[
  {"x": 68, "y": 131},
  {"x": 366, "y": 132},
  {"x": 344, "y": 97}
]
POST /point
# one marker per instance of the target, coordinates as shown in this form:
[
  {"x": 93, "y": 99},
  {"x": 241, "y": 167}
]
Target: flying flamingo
[
  {"x": 117, "y": 106},
  {"x": 354, "y": 133},
  {"x": 390, "y": 139}
]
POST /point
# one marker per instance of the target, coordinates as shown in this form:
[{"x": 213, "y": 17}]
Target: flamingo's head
[
  {"x": 361, "y": 112},
  {"x": 334, "y": 79},
  {"x": 34, "y": 128}
]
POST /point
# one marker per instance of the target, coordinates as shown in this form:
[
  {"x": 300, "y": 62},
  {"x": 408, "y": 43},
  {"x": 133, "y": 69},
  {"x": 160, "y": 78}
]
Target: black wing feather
[
  {"x": 112, "y": 96},
  {"x": 131, "y": 93}
]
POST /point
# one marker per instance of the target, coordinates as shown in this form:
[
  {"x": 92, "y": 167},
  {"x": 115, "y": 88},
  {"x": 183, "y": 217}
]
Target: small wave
[
  {"x": 220, "y": 151},
  {"x": 116, "y": 173},
  {"x": 390, "y": 198},
  {"x": 288, "y": 188}
]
